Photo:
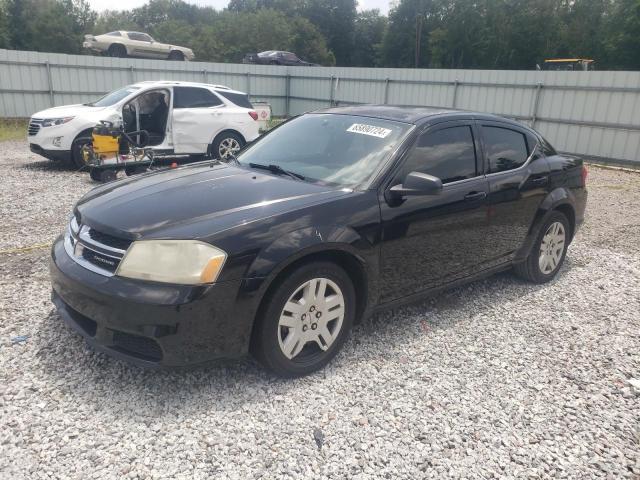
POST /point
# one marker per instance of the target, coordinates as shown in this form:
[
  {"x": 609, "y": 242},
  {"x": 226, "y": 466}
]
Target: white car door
[
  {"x": 142, "y": 45},
  {"x": 197, "y": 115}
]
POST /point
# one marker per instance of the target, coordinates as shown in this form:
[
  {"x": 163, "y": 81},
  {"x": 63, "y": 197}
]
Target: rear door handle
[
  {"x": 469, "y": 197},
  {"x": 540, "y": 180}
]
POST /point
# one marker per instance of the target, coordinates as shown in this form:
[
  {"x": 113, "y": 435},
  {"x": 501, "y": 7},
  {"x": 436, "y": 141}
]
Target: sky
[{"x": 101, "y": 5}]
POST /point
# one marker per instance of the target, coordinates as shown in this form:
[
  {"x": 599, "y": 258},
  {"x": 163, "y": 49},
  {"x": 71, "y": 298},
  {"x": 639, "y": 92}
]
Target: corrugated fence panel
[{"x": 592, "y": 113}]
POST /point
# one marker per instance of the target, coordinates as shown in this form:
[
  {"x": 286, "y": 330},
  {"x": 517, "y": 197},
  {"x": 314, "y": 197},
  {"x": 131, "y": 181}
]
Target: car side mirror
[{"x": 416, "y": 184}]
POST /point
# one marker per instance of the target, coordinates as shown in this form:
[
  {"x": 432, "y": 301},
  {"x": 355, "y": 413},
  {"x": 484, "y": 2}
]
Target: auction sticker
[{"x": 369, "y": 130}]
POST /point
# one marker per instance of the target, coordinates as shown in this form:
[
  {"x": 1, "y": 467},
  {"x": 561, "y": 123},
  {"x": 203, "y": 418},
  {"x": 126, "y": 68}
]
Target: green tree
[
  {"x": 48, "y": 25},
  {"x": 399, "y": 43},
  {"x": 335, "y": 19},
  {"x": 369, "y": 32},
  {"x": 622, "y": 44},
  {"x": 4, "y": 25}
]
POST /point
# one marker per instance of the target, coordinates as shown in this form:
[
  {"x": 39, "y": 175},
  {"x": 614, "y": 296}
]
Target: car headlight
[
  {"x": 49, "y": 122},
  {"x": 188, "y": 262}
]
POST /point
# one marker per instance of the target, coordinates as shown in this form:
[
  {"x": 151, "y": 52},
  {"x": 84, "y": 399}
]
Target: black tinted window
[
  {"x": 240, "y": 99},
  {"x": 506, "y": 149},
  {"x": 448, "y": 154},
  {"x": 194, "y": 97},
  {"x": 141, "y": 37}
]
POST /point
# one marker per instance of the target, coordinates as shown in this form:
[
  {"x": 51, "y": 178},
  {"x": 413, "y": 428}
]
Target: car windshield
[
  {"x": 113, "y": 97},
  {"x": 334, "y": 149}
]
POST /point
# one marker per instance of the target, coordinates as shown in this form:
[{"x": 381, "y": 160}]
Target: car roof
[
  {"x": 412, "y": 114},
  {"x": 174, "y": 83}
]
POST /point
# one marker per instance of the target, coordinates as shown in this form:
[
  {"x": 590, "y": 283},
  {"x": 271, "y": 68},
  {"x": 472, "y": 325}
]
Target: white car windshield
[
  {"x": 113, "y": 97},
  {"x": 333, "y": 149}
]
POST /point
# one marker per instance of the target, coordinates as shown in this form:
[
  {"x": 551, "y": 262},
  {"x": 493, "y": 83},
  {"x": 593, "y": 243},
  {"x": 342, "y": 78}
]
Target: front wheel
[
  {"x": 306, "y": 320},
  {"x": 548, "y": 252},
  {"x": 176, "y": 55},
  {"x": 78, "y": 154}
]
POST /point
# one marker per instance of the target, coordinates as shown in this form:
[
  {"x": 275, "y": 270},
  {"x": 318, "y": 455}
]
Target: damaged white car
[{"x": 180, "y": 118}]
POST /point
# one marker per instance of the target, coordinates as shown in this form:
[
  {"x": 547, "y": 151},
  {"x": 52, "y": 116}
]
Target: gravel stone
[{"x": 497, "y": 379}]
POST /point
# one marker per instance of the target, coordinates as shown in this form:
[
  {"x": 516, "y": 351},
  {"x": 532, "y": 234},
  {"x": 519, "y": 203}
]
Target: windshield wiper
[{"x": 278, "y": 170}]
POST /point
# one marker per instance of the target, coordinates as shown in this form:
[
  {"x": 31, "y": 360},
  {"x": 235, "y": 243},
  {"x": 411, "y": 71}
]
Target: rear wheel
[
  {"x": 306, "y": 320},
  {"x": 225, "y": 145},
  {"x": 118, "y": 51},
  {"x": 176, "y": 55},
  {"x": 548, "y": 252}
]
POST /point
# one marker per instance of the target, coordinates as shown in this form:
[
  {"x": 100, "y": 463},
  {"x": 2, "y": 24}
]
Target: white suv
[{"x": 181, "y": 118}]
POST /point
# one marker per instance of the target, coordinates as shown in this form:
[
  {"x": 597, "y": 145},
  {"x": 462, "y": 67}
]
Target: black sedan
[
  {"x": 326, "y": 219},
  {"x": 276, "y": 57}
]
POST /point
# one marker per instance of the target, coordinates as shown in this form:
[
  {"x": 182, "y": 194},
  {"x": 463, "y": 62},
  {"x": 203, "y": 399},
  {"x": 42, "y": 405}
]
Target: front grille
[
  {"x": 34, "y": 126},
  {"x": 100, "y": 260},
  {"x": 95, "y": 250},
  {"x": 137, "y": 346},
  {"x": 108, "y": 240}
]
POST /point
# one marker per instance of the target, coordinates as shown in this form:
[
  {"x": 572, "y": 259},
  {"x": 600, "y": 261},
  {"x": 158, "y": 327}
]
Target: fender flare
[
  {"x": 556, "y": 198},
  {"x": 272, "y": 261},
  {"x": 305, "y": 241},
  {"x": 227, "y": 130}
]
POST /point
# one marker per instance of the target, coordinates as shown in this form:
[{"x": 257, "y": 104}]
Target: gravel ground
[{"x": 496, "y": 379}]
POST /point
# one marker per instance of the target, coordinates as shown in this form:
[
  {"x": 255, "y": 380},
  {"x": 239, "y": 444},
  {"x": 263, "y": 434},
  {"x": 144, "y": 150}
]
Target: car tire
[
  {"x": 94, "y": 173},
  {"x": 297, "y": 308},
  {"x": 225, "y": 142},
  {"x": 548, "y": 252},
  {"x": 274, "y": 62},
  {"x": 176, "y": 55},
  {"x": 77, "y": 160},
  {"x": 117, "y": 51},
  {"x": 135, "y": 170}
]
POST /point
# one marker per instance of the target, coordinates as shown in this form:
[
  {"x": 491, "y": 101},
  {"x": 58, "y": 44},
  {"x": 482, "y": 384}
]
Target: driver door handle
[{"x": 470, "y": 197}]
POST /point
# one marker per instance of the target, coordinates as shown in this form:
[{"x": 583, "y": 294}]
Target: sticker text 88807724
[{"x": 372, "y": 130}]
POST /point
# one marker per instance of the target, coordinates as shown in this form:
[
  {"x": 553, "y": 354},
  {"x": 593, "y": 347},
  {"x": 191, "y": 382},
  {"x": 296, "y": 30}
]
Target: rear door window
[
  {"x": 141, "y": 37},
  {"x": 506, "y": 149},
  {"x": 194, "y": 97},
  {"x": 448, "y": 154},
  {"x": 240, "y": 99}
]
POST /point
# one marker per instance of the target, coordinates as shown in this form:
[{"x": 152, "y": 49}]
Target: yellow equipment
[
  {"x": 106, "y": 143},
  {"x": 569, "y": 64},
  {"x": 113, "y": 149}
]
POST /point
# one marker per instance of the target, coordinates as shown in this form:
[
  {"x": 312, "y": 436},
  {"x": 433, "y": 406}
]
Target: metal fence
[{"x": 596, "y": 114}]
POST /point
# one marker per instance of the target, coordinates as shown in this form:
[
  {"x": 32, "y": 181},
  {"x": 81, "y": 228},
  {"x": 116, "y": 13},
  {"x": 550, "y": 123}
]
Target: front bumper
[
  {"x": 56, "y": 155},
  {"x": 151, "y": 324}
]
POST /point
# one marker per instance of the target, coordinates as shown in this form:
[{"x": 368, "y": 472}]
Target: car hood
[
  {"x": 195, "y": 201},
  {"x": 67, "y": 111}
]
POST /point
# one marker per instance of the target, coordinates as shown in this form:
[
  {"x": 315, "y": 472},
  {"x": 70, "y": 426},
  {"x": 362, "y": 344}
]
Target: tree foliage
[{"x": 514, "y": 34}]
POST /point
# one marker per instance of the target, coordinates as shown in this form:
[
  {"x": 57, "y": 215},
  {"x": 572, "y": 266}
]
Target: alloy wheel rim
[
  {"x": 551, "y": 248},
  {"x": 311, "y": 317},
  {"x": 228, "y": 146}
]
